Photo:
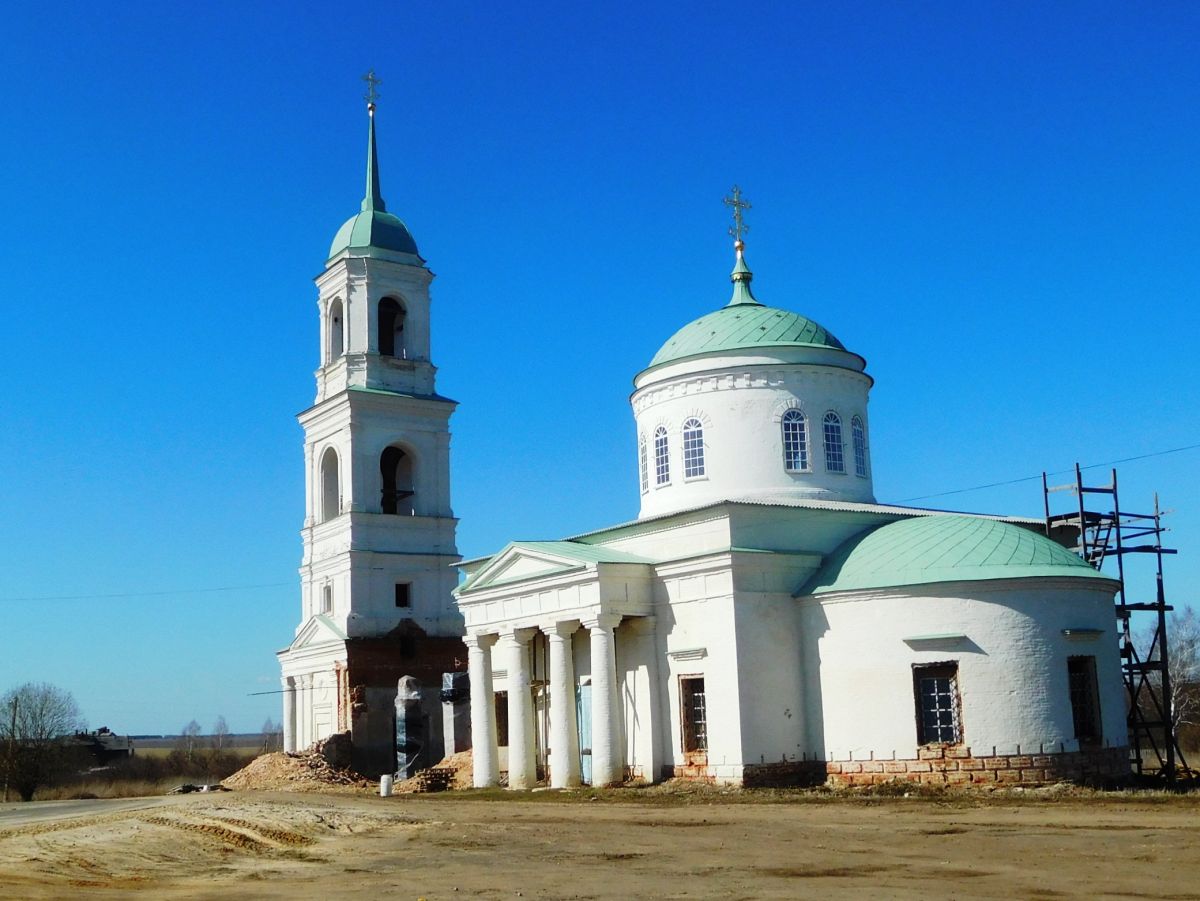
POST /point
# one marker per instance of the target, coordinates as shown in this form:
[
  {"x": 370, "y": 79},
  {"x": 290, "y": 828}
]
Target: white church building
[{"x": 766, "y": 621}]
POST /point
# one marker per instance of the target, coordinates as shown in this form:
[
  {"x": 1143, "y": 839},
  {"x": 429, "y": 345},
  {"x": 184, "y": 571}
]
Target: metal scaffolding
[{"x": 1114, "y": 533}]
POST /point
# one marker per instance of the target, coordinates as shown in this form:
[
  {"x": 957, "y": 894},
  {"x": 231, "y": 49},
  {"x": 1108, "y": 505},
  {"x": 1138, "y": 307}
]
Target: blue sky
[{"x": 995, "y": 204}]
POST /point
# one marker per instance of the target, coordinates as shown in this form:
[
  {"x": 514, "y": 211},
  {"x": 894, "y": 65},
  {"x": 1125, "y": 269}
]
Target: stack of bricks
[{"x": 957, "y": 765}]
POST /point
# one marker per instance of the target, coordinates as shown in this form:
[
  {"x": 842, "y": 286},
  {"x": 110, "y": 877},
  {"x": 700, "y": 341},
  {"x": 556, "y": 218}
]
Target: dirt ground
[{"x": 615, "y": 845}]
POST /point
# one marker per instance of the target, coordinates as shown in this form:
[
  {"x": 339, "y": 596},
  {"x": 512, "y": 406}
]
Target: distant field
[{"x": 240, "y": 742}]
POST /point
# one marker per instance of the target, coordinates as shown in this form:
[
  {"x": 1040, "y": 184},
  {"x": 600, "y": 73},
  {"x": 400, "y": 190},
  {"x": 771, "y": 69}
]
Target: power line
[
  {"x": 1162, "y": 453},
  {"x": 145, "y": 594}
]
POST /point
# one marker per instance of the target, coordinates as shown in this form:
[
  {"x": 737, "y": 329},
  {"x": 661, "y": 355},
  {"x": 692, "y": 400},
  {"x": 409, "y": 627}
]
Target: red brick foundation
[{"x": 956, "y": 765}]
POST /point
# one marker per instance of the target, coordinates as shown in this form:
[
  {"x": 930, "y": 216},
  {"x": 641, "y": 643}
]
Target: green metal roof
[
  {"x": 373, "y": 227},
  {"x": 744, "y": 323},
  {"x": 931, "y": 549},
  {"x": 741, "y": 327}
]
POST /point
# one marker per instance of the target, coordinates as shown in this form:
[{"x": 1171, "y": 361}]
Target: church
[{"x": 764, "y": 620}]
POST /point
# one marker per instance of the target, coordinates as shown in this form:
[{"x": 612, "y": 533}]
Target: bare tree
[
  {"x": 189, "y": 739},
  {"x": 37, "y": 727},
  {"x": 220, "y": 735},
  {"x": 272, "y": 736},
  {"x": 1183, "y": 649}
]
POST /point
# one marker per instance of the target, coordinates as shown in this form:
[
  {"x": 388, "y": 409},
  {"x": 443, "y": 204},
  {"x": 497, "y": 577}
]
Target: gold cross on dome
[
  {"x": 373, "y": 84},
  {"x": 739, "y": 227}
]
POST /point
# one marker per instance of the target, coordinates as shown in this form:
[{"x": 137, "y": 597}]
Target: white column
[
  {"x": 522, "y": 763},
  {"x": 564, "y": 731},
  {"x": 304, "y": 712},
  {"x": 483, "y": 710},
  {"x": 607, "y": 765},
  {"x": 289, "y": 715}
]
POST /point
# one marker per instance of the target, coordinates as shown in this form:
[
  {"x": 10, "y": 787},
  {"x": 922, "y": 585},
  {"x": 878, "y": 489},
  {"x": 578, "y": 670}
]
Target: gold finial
[
  {"x": 372, "y": 94},
  {"x": 739, "y": 227}
]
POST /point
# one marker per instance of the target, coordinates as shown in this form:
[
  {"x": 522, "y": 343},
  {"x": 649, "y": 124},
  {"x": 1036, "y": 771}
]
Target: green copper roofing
[
  {"x": 373, "y": 226},
  {"x": 742, "y": 324},
  {"x": 585, "y": 553},
  {"x": 944, "y": 548}
]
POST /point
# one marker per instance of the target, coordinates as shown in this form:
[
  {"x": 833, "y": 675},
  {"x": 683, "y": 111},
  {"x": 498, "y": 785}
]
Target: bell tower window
[
  {"x": 391, "y": 328},
  {"x": 396, "y": 468},
  {"x": 335, "y": 332},
  {"x": 331, "y": 497}
]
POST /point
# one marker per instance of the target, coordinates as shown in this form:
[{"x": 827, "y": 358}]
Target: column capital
[
  {"x": 518, "y": 634},
  {"x": 602, "y": 621},
  {"x": 563, "y": 629},
  {"x": 479, "y": 639}
]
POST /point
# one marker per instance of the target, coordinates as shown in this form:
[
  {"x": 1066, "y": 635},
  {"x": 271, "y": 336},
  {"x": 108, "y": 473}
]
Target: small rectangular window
[
  {"x": 502, "y": 719},
  {"x": 326, "y": 598},
  {"x": 695, "y": 713},
  {"x": 1085, "y": 698},
  {"x": 403, "y": 594},
  {"x": 936, "y": 688}
]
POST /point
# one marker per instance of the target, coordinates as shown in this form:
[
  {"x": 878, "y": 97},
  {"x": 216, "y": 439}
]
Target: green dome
[
  {"x": 742, "y": 326},
  {"x": 373, "y": 228},
  {"x": 944, "y": 548}
]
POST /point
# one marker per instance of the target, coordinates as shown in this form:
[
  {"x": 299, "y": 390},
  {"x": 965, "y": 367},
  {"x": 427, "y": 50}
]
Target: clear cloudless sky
[{"x": 997, "y": 204}]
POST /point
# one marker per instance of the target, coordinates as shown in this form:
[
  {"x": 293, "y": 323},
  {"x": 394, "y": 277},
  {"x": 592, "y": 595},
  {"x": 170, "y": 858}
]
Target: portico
[{"x": 575, "y": 616}]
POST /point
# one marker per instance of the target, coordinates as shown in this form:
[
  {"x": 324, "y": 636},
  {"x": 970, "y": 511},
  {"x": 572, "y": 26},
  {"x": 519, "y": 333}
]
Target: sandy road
[
  {"x": 12, "y": 815},
  {"x": 316, "y": 847}
]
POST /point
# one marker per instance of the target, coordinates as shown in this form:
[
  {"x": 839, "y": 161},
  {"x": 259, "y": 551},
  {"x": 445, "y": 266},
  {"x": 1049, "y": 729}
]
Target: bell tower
[{"x": 379, "y": 533}]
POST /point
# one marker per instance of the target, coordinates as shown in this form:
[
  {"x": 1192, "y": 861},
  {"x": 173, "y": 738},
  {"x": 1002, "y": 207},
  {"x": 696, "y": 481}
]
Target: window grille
[
  {"x": 834, "y": 460},
  {"x": 695, "y": 714},
  {"x": 693, "y": 448},
  {"x": 643, "y": 465},
  {"x": 662, "y": 462},
  {"x": 936, "y": 688},
  {"x": 860, "y": 446},
  {"x": 795, "y": 442}
]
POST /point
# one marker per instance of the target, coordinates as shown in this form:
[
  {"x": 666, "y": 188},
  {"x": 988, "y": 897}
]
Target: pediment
[
  {"x": 515, "y": 564},
  {"x": 319, "y": 630}
]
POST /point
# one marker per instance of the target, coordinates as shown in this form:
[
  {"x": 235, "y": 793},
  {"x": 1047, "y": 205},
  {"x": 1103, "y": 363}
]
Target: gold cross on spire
[
  {"x": 372, "y": 94},
  {"x": 739, "y": 227}
]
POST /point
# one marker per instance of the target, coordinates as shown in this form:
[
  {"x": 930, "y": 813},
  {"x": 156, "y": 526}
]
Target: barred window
[
  {"x": 662, "y": 462},
  {"x": 834, "y": 461},
  {"x": 643, "y": 464},
  {"x": 860, "y": 446},
  {"x": 936, "y": 688},
  {"x": 693, "y": 448},
  {"x": 795, "y": 441}
]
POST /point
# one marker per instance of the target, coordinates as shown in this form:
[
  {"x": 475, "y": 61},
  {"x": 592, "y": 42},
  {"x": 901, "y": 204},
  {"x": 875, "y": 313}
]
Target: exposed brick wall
[{"x": 956, "y": 765}]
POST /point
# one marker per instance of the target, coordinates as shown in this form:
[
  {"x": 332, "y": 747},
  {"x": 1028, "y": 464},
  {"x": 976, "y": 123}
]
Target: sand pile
[
  {"x": 293, "y": 772},
  {"x": 462, "y": 764}
]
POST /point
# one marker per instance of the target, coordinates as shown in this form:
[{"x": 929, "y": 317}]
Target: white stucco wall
[{"x": 1012, "y": 665}]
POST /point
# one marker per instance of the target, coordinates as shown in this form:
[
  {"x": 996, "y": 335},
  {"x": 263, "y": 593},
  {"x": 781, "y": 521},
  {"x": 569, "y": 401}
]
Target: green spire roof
[
  {"x": 742, "y": 324},
  {"x": 373, "y": 228},
  {"x": 944, "y": 548}
]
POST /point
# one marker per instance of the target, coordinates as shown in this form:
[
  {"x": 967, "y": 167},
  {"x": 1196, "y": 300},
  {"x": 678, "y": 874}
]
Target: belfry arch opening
[
  {"x": 331, "y": 495},
  {"x": 396, "y": 468},
  {"x": 391, "y": 328},
  {"x": 336, "y": 332}
]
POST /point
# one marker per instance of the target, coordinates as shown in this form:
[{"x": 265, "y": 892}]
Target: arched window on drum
[
  {"x": 859, "y": 436},
  {"x": 662, "y": 460},
  {"x": 835, "y": 460},
  {"x": 795, "y": 441},
  {"x": 693, "y": 448}
]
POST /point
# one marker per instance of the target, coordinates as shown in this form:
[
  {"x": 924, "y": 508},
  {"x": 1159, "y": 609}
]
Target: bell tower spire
[{"x": 372, "y": 199}]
